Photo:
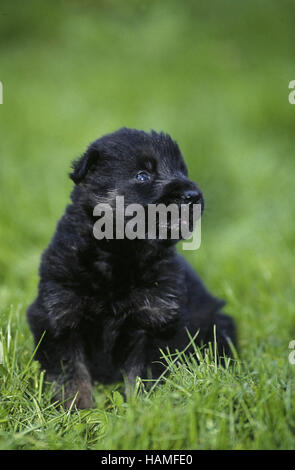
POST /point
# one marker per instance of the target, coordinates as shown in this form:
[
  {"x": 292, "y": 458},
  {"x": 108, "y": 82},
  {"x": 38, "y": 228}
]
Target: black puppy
[{"x": 108, "y": 306}]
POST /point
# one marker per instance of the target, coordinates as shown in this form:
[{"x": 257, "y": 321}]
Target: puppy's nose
[{"x": 192, "y": 197}]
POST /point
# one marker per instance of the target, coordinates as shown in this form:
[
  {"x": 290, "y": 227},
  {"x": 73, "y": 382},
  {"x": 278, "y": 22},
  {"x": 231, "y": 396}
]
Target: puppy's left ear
[{"x": 82, "y": 165}]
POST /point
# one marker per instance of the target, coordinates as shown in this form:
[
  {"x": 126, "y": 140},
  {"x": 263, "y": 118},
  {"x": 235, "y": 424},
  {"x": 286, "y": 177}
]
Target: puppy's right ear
[{"x": 82, "y": 165}]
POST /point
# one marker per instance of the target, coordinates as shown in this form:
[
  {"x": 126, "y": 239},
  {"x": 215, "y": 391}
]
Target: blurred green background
[{"x": 215, "y": 76}]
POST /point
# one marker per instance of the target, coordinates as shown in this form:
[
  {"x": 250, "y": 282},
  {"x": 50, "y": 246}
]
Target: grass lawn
[{"x": 215, "y": 76}]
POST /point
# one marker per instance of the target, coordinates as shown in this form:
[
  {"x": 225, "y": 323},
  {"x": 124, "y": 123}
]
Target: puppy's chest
[
  {"x": 148, "y": 295},
  {"x": 150, "y": 300}
]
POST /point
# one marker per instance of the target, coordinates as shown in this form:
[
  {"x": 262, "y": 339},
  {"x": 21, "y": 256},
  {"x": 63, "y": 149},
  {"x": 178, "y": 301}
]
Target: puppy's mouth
[
  {"x": 175, "y": 220},
  {"x": 184, "y": 209},
  {"x": 182, "y": 227}
]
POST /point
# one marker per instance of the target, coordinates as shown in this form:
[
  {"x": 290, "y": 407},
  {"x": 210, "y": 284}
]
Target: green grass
[{"x": 214, "y": 75}]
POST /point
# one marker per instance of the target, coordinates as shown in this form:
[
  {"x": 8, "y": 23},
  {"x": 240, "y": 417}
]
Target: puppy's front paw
[{"x": 75, "y": 395}]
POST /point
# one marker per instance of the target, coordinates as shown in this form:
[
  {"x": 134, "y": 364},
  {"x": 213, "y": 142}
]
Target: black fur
[{"x": 108, "y": 306}]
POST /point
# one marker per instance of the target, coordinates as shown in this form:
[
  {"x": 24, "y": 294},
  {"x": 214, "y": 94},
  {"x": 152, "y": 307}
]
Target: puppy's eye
[{"x": 142, "y": 176}]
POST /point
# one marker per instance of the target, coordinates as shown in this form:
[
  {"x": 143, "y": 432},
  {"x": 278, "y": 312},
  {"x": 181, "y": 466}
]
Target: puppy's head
[{"x": 145, "y": 168}]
